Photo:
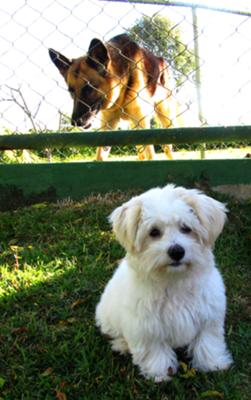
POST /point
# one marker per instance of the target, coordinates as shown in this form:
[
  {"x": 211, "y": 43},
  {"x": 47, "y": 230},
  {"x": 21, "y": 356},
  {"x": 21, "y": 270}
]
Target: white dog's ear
[
  {"x": 125, "y": 221},
  {"x": 210, "y": 212}
]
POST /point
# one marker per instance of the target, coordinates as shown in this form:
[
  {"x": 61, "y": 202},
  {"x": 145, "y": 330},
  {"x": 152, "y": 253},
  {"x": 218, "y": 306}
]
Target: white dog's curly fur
[{"x": 167, "y": 292}]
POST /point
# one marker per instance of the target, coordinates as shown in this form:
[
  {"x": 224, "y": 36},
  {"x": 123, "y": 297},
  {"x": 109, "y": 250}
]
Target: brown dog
[{"x": 123, "y": 81}]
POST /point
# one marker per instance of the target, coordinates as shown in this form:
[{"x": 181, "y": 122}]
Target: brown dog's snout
[
  {"x": 76, "y": 121},
  {"x": 81, "y": 114},
  {"x": 80, "y": 122}
]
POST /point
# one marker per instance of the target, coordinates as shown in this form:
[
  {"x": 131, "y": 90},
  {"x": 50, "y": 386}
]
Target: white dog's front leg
[
  {"x": 209, "y": 351},
  {"x": 156, "y": 361}
]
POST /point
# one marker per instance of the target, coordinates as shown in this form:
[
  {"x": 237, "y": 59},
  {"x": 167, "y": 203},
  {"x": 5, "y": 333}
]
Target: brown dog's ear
[
  {"x": 60, "y": 61},
  {"x": 97, "y": 56}
]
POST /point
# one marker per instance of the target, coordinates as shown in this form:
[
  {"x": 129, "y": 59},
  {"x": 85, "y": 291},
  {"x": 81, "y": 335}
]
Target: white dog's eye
[
  {"x": 155, "y": 232},
  {"x": 185, "y": 229}
]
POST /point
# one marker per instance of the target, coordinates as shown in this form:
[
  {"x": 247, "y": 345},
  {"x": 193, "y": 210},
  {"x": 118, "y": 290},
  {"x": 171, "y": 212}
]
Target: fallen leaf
[
  {"x": 39, "y": 205},
  {"x": 47, "y": 372},
  {"x": 71, "y": 320},
  {"x": 77, "y": 303},
  {"x": 191, "y": 373},
  {"x": 187, "y": 372},
  {"x": 60, "y": 395},
  {"x": 211, "y": 393},
  {"x": 13, "y": 242},
  {"x": 2, "y": 382},
  {"x": 63, "y": 384},
  {"x": 19, "y": 330},
  {"x": 184, "y": 366}
]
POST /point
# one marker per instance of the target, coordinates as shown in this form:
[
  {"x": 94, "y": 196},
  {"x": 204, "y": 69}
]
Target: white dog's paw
[
  {"x": 169, "y": 375},
  {"x": 160, "y": 370},
  {"x": 120, "y": 345},
  {"x": 217, "y": 364},
  {"x": 162, "y": 378}
]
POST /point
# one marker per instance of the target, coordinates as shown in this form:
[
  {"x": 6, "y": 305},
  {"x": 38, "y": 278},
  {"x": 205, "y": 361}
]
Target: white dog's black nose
[{"x": 176, "y": 252}]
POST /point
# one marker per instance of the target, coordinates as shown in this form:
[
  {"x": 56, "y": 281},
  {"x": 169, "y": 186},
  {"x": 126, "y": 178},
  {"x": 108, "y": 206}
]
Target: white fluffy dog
[{"x": 167, "y": 292}]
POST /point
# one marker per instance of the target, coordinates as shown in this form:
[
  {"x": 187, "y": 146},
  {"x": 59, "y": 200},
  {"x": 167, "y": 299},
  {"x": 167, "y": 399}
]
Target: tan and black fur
[{"x": 121, "y": 80}]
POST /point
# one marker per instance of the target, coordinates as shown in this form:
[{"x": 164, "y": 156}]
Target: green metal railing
[
  {"x": 24, "y": 184},
  {"x": 127, "y": 137}
]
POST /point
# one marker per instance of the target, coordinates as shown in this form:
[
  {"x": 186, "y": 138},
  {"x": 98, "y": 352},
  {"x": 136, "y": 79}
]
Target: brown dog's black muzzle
[
  {"x": 81, "y": 122},
  {"x": 83, "y": 114}
]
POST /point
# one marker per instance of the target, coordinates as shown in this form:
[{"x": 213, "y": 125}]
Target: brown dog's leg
[
  {"x": 142, "y": 122},
  {"x": 150, "y": 152},
  {"x": 162, "y": 110},
  {"x": 102, "y": 153},
  {"x": 167, "y": 148},
  {"x": 145, "y": 152},
  {"x": 109, "y": 121}
]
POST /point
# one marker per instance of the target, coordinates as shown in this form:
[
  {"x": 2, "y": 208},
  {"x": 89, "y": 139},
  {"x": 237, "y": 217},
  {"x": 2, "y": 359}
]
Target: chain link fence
[{"x": 207, "y": 50}]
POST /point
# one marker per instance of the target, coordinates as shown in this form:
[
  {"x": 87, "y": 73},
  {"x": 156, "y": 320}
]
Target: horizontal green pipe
[
  {"x": 122, "y": 138},
  {"x": 24, "y": 184}
]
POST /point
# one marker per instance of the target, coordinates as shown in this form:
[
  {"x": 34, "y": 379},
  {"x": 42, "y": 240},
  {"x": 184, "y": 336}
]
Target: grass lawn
[{"x": 54, "y": 263}]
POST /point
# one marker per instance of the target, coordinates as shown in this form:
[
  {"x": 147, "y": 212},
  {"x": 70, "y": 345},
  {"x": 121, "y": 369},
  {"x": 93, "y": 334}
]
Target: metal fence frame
[{"x": 22, "y": 184}]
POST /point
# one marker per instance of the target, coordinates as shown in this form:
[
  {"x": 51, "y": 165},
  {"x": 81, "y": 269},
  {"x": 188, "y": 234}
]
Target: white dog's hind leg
[
  {"x": 158, "y": 361},
  {"x": 209, "y": 350}
]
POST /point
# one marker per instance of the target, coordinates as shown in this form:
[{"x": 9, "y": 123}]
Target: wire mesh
[{"x": 207, "y": 52}]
